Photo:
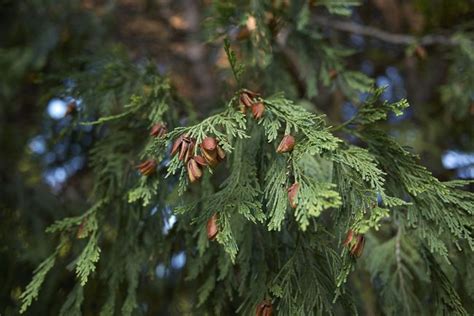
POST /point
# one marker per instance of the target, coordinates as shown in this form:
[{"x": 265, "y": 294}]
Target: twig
[
  {"x": 394, "y": 38},
  {"x": 398, "y": 257}
]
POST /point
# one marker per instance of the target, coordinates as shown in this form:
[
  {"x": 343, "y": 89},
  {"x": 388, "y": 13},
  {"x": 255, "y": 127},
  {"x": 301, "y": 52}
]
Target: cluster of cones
[
  {"x": 184, "y": 147},
  {"x": 249, "y": 100},
  {"x": 211, "y": 155},
  {"x": 148, "y": 167}
]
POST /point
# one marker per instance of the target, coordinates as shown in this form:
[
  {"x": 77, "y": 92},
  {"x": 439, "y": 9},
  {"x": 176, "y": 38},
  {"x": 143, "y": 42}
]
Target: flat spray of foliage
[{"x": 264, "y": 248}]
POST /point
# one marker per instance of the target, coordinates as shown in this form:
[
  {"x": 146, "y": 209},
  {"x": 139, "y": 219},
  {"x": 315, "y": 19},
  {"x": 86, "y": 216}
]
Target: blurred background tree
[{"x": 419, "y": 50}]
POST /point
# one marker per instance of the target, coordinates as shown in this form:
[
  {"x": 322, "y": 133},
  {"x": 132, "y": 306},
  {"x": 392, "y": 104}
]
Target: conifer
[{"x": 277, "y": 211}]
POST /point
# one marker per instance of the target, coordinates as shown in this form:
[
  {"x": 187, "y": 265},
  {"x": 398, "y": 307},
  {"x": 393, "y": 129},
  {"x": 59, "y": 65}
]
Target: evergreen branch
[
  {"x": 231, "y": 122},
  {"x": 69, "y": 222},
  {"x": 237, "y": 68},
  {"x": 373, "y": 110},
  {"x": 32, "y": 289},
  {"x": 106, "y": 119},
  {"x": 144, "y": 190},
  {"x": 398, "y": 265},
  {"x": 73, "y": 302},
  {"x": 448, "y": 300},
  {"x": 85, "y": 263},
  {"x": 239, "y": 194},
  {"x": 313, "y": 197},
  {"x": 276, "y": 193},
  {"x": 435, "y": 207},
  {"x": 136, "y": 103}
]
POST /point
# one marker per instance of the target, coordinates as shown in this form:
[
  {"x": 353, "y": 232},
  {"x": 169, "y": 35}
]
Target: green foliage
[
  {"x": 265, "y": 249},
  {"x": 85, "y": 263},
  {"x": 276, "y": 193},
  {"x": 457, "y": 92},
  {"x": 305, "y": 284},
  {"x": 342, "y": 7},
  {"x": 313, "y": 198},
  {"x": 33, "y": 288},
  {"x": 237, "y": 68},
  {"x": 72, "y": 305},
  {"x": 255, "y": 193},
  {"x": 429, "y": 198}
]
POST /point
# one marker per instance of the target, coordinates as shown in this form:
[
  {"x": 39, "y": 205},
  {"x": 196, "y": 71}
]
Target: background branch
[{"x": 400, "y": 39}]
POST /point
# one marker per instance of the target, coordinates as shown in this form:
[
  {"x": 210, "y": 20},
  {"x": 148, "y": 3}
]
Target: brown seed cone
[
  {"x": 292, "y": 193},
  {"x": 189, "y": 151},
  {"x": 194, "y": 170},
  {"x": 286, "y": 145},
  {"x": 183, "y": 150},
  {"x": 210, "y": 157},
  {"x": 151, "y": 169},
  {"x": 158, "y": 130},
  {"x": 176, "y": 145},
  {"x": 358, "y": 247},
  {"x": 258, "y": 109},
  {"x": 200, "y": 161},
  {"x": 265, "y": 308},
  {"x": 245, "y": 100},
  {"x": 183, "y": 145},
  {"x": 355, "y": 243},
  {"x": 209, "y": 143},
  {"x": 349, "y": 237},
  {"x": 211, "y": 151},
  {"x": 212, "y": 228},
  {"x": 147, "y": 167}
]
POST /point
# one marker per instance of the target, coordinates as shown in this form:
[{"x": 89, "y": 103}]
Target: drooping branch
[{"x": 394, "y": 38}]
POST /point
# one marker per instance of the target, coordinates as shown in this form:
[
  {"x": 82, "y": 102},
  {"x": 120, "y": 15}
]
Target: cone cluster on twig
[
  {"x": 211, "y": 151},
  {"x": 354, "y": 243},
  {"x": 211, "y": 155},
  {"x": 194, "y": 168},
  {"x": 247, "y": 101},
  {"x": 184, "y": 147}
]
